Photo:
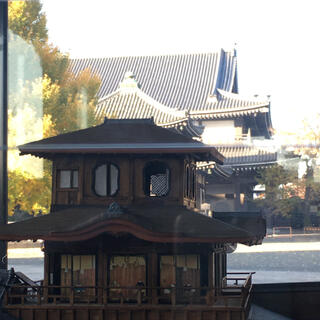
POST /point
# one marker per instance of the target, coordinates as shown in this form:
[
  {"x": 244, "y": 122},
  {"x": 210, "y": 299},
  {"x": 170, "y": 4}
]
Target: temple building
[
  {"x": 197, "y": 95},
  {"x": 124, "y": 239}
]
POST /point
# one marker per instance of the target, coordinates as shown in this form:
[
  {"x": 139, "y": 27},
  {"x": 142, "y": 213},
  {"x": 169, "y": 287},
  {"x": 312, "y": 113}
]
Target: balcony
[{"x": 230, "y": 301}]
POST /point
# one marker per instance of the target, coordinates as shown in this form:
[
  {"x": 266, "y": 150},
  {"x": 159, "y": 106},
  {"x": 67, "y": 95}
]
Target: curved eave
[
  {"x": 118, "y": 226},
  {"x": 228, "y": 113},
  {"x": 253, "y": 167}
]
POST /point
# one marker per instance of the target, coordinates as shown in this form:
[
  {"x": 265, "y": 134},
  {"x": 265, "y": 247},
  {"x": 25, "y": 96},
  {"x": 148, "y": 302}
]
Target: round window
[{"x": 106, "y": 180}]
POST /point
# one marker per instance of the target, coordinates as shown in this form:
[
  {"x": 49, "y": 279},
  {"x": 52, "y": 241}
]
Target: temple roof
[
  {"x": 150, "y": 223},
  {"x": 228, "y": 105},
  {"x": 241, "y": 157},
  {"x": 180, "y": 81},
  {"x": 199, "y": 86},
  {"x": 135, "y": 104},
  {"x": 122, "y": 136}
]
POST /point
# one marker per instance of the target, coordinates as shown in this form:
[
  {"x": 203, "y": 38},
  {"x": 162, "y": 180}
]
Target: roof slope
[
  {"x": 245, "y": 156},
  {"x": 182, "y": 81},
  {"x": 202, "y": 85},
  {"x": 227, "y": 104},
  {"x": 122, "y": 136},
  {"x": 135, "y": 104},
  {"x": 151, "y": 223}
]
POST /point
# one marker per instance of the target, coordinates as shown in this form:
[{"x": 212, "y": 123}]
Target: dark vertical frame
[{"x": 3, "y": 125}]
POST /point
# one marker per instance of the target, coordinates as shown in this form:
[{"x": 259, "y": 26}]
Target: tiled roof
[
  {"x": 226, "y": 104},
  {"x": 181, "y": 81},
  {"x": 238, "y": 158},
  {"x": 135, "y": 104},
  {"x": 173, "y": 87},
  {"x": 243, "y": 156}
]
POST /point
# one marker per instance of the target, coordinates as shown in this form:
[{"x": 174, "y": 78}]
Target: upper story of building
[
  {"x": 124, "y": 161},
  {"x": 195, "y": 93}
]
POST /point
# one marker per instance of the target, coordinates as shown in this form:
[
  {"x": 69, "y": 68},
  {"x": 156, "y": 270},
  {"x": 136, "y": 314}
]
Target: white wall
[{"x": 220, "y": 131}]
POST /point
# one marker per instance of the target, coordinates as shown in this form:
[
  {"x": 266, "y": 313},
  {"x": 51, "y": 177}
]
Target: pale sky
[{"x": 277, "y": 41}]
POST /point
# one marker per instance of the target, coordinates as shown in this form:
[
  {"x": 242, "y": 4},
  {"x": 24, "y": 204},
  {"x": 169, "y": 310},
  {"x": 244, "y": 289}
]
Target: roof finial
[{"x": 129, "y": 81}]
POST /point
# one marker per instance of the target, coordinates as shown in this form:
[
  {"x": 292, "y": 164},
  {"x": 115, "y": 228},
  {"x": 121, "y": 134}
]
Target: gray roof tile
[{"x": 182, "y": 81}]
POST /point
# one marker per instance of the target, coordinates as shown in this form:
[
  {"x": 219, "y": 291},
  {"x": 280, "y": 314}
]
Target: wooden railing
[
  {"x": 239, "y": 283},
  {"x": 58, "y": 295}
]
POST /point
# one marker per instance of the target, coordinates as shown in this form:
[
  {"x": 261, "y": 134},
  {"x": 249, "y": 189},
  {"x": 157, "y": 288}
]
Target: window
[
  {"x": 68, "y": 179},
  {"x": 189, "y": 182},
  {"x": 126, "y": 272},
  {"x": 78, "y": 270},
  {"x": 156, "y": 179},
  {"x": 180, "y": 271},
  {"x": 106, "y": 180}
]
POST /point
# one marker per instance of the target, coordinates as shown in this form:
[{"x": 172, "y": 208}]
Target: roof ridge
[
  {"x": 206, "y": 52},
  {"x": 110, "y": 95}
]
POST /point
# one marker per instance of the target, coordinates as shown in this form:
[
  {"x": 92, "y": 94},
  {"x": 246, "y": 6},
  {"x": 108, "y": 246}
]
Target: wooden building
[
  {"x": 197, "y": 94},
  {"x": 124, "y": 239}
]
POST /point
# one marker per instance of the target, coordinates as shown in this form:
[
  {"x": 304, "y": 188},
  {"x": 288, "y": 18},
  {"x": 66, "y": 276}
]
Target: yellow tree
[
  {"x": 28, "y": 175},
  {"x": 45, "y": 98}
]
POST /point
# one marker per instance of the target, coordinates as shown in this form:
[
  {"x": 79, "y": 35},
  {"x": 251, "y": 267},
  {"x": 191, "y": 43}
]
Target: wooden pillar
[
  {"x": 153, "y": 276},
  {"x": 46, "y": 276},
  {"x": 54, "y": 184},
  {"x": 224, "y": 264},
  {"x": 211, "y": 279},
  {"x": 217, "y": 272},
  {"x": 132, "y": 181},
  {"x": 102, "y": 276},
  {"x": 81, "y": 182}
]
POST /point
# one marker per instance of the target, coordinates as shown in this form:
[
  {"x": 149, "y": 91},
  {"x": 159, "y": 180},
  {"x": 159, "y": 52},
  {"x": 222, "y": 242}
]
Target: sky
[{"x": 277, "y": 41}]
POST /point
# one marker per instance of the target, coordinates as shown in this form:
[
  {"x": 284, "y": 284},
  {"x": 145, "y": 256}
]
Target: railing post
[
  {"x": 72, "y": 296},
  {"x": 45, "y": 294},
  {"x": 210, "y": 296},
  {"x": 6, "y": 299},
  {"x": 154, "y": 295},
  {"x": 105, "y": 296},
  {"x": 173, "y": 296},
  {"x": 100, "y": 291},
  {"x": 38, "y": 297}
]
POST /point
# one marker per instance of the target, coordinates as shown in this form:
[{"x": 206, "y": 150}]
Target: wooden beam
[{"x": 153, "y": 276}]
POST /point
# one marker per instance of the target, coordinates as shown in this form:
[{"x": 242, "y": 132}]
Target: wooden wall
[{"x": 131, "y": 180}]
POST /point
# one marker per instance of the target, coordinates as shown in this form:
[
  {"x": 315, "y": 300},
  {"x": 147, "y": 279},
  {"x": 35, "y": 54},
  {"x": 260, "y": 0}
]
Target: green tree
[
  {"x": 282, "y": 190},
  {"x": 286, "y": 193}
]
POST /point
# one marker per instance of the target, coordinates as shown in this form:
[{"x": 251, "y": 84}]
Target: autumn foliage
[{"x": 45, "y": 99}]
